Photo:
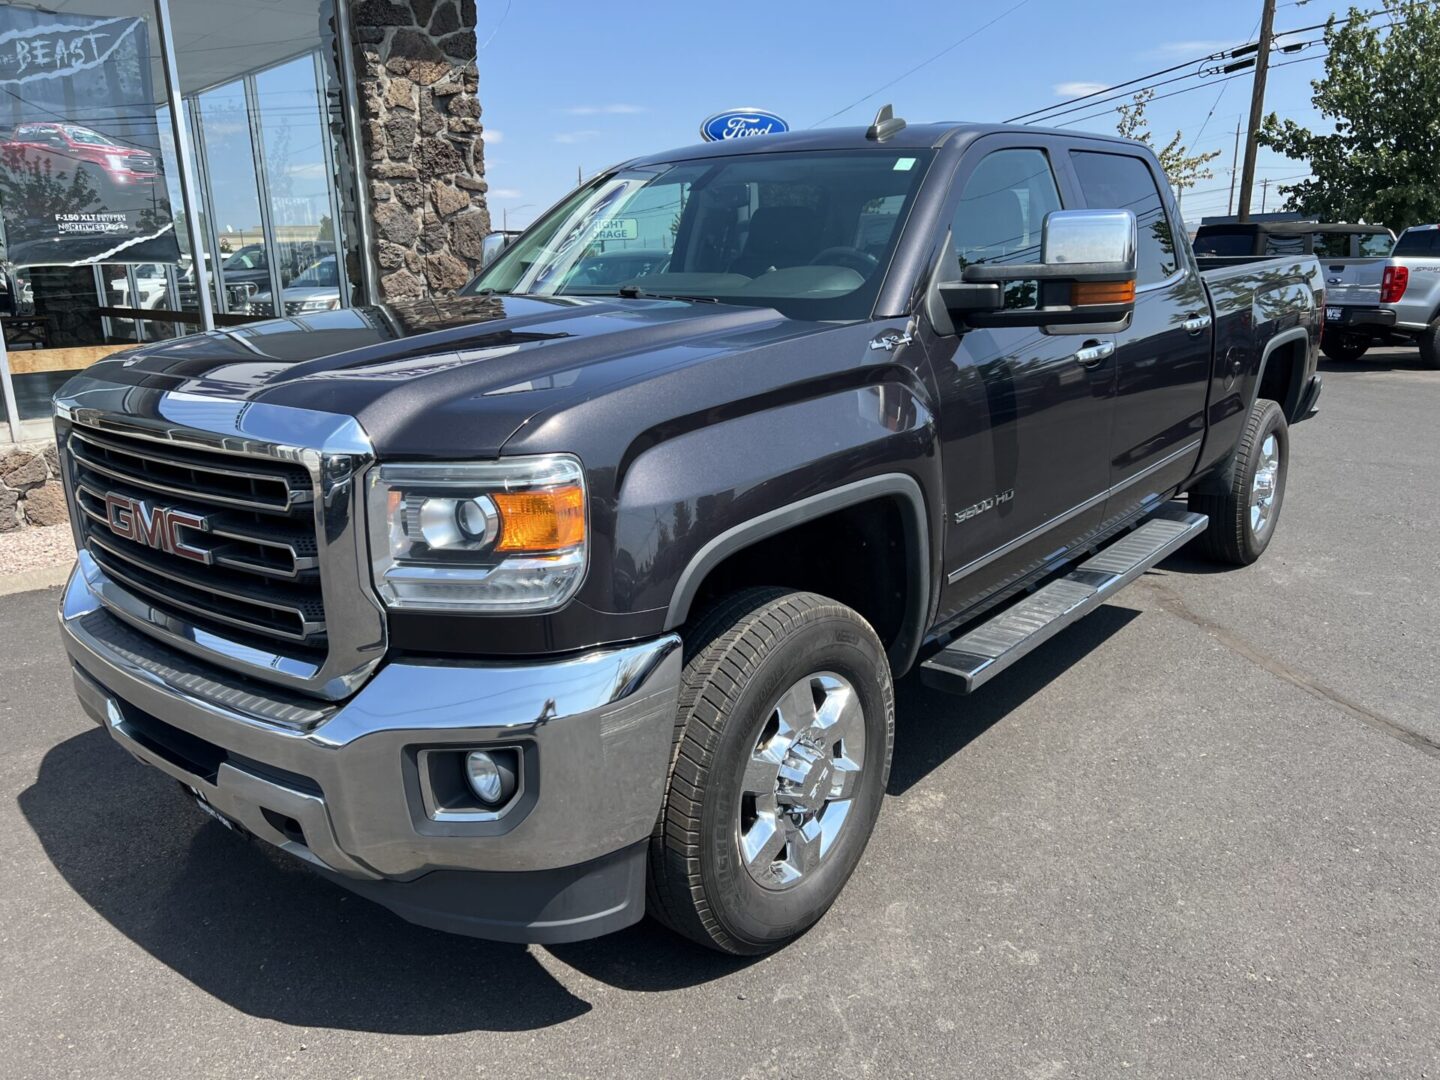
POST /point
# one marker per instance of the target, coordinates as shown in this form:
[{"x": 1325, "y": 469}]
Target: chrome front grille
[
  {"x": 231, "y": 531},
  {"x": 249, "y": 566}
]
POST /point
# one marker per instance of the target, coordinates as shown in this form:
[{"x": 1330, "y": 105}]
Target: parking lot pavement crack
[{"x": 1172, "y": 603}]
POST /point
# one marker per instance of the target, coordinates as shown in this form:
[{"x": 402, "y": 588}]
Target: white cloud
[
  {"x": 1183, "y": 50},
  {"x": 576, "y": 136},
  {"x": 505, "y": 193},
  {"x": 618, "y": 109},
  {"x": 493, "y": 136},
  {"x": 1079, "y": 89}
]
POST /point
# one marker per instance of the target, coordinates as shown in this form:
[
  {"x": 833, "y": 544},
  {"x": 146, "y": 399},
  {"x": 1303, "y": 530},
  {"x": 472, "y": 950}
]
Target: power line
[
  {"x": 1049, "y": 112},
  {"x": 1191, "y": 89},
  {"x": 911, "y": 71}
]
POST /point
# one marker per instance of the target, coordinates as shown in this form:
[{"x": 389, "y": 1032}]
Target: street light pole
[{"x": 1257, "y": 106}]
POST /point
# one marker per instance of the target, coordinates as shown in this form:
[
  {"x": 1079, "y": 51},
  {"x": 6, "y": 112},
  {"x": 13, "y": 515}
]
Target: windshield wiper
[{"x": 634, "y": 292}]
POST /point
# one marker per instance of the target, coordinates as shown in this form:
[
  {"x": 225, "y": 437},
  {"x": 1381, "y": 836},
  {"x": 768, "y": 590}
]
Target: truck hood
[{"x": 450, "y": 377}]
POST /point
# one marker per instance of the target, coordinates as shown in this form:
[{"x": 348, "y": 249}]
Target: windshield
[
  {"x": 809, "y": 234},
  {"x": 91, "y": 138}
]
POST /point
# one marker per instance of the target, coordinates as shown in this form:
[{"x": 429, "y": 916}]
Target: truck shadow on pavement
[
  {"x": 931, "y": 727},
  {"x": 1409, "y": 360},
  {"x": 256, "y": 930}
]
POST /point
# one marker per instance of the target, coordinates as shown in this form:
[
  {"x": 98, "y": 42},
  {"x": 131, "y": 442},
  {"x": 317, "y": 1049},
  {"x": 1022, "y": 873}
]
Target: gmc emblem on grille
[{"x": 154, "y": 526}]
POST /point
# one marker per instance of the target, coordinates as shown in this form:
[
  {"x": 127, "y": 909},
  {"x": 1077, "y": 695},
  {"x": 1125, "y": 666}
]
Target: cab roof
[{"x": 911, "y": 137}]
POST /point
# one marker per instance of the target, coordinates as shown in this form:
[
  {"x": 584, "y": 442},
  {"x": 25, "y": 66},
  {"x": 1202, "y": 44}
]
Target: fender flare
[
  {"x": 1297, "y": 379},
  {"x": 899, "y": 486}
]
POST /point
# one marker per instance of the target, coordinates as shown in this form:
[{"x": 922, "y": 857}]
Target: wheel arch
[
  {"x": 1292, "y": 346},
  {"x": 900, "y": 490}
]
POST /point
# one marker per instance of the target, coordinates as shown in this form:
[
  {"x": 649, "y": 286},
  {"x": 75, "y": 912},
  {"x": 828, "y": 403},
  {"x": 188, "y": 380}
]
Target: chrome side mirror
[
  {"x": 493, "y": 244},
  {"x": 1081, "y": 237},
  {"x": 1086, "y": 276}
]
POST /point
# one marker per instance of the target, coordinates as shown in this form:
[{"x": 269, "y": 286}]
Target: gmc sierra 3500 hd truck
[{"x": 530, "y": 610}]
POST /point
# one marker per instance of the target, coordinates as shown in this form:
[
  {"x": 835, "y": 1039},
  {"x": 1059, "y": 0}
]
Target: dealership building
[{"x": 289, "y": 156}]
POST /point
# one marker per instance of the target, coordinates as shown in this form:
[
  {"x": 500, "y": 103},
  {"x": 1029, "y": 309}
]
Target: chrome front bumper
[{"x": 340, "y": 786}]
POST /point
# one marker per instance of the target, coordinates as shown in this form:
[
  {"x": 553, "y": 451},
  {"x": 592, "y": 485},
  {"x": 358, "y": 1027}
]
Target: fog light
[{"x": 491, "y": 775}]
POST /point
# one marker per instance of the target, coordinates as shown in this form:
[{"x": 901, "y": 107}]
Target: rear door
[
  {"x": 1162, "y": 360},
  {"x": 1024, "y": 424}
]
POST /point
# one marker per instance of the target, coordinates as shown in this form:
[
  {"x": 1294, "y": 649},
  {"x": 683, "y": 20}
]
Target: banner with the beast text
[{"x": 82, "y": 177}]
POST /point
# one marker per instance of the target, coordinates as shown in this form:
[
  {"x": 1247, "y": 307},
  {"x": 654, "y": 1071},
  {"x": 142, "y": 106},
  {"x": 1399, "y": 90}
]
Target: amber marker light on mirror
[{"x": 1086, "y": 293}]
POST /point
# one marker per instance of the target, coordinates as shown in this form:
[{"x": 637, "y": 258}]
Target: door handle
[
  {"x": 1094, "y": 353},
  {"x": 1196, "y": 323}
]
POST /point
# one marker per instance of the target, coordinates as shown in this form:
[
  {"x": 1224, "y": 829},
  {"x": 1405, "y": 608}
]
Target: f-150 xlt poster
[{"x": 81, "y": 176}]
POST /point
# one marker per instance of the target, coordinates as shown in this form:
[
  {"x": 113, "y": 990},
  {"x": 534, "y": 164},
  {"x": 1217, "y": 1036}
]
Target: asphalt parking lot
[{"x": 1197, "y": 835}]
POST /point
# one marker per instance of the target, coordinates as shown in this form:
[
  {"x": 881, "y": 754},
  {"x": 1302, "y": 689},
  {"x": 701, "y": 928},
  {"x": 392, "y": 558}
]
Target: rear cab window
[
  {"x": 1418, "y": 243},
  {"x": 1374, "y": 245}
]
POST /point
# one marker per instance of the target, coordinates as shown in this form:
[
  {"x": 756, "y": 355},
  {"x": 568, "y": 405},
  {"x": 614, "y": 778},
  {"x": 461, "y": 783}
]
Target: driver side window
[{"x": 1001, "y": 215}]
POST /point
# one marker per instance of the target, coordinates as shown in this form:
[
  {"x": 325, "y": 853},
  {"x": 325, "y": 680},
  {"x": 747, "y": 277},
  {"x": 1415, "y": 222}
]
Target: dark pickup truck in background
[{"x": 530, "y": 610}]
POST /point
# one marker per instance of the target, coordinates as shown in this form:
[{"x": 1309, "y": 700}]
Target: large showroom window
[{"x": 99, "y": 252}]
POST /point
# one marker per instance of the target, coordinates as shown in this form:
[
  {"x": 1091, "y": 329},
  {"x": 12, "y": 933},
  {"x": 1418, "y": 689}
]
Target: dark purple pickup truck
[{"x": 567, "y": 599}]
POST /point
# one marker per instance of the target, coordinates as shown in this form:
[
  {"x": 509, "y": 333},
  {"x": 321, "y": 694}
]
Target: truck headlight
[{"x": 487, "y": 536}]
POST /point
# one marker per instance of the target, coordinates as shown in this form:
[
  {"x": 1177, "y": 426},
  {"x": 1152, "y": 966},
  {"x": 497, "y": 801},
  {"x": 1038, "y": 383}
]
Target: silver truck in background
[{"x": 1391, "y": 301}]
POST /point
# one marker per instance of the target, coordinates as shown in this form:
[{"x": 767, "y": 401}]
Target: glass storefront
[{"x": 275, "y": 216}]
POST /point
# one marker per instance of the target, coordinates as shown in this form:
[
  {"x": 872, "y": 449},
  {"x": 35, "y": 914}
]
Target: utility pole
[
  {"x": 1257, "y": 106},
  {"x": 1234, "y": 167},
  {"x": 1264, "y": 193}
]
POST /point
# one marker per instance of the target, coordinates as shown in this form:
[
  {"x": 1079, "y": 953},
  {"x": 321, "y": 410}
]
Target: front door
[{"x": 1024, "y": 416}]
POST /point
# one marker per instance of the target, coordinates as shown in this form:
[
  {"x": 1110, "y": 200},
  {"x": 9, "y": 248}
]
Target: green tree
[
  {"x": 1184, "y": 169},
  {"x": 1380, "y": 88}
]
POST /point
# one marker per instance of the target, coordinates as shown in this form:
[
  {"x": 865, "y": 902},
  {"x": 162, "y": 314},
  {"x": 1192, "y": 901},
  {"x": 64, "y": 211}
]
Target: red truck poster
[{"x": 81, "y": 171}]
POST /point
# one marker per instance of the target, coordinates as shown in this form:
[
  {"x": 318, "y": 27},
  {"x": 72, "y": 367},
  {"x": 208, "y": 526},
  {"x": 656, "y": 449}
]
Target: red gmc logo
[{"x": 154, "y": 526}]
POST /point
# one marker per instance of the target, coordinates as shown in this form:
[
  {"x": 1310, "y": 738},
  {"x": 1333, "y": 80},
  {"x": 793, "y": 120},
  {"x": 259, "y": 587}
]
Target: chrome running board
[{"x": 969, "y": 662}]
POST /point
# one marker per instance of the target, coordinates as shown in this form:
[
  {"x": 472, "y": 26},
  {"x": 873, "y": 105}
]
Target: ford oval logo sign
[{"x": 741, "y": 124}]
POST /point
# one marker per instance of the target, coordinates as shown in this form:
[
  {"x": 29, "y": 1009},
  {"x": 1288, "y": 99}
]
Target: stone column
[{"x": 424, "y": 168}]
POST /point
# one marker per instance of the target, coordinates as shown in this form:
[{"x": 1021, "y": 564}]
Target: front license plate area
[{"x": 1332, "y": 314}]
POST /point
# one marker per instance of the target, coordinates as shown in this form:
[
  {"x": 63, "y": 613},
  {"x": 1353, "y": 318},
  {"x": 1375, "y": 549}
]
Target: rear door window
[{"x": 1123, "y": 182}]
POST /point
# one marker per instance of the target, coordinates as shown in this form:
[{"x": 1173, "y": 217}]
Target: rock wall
[
  {"x": 30, "y": 489},
  {"x": 424, "y": 168}
]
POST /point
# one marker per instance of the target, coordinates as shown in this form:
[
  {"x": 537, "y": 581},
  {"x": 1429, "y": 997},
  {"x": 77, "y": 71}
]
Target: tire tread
[{"x": 723, "y": 649}]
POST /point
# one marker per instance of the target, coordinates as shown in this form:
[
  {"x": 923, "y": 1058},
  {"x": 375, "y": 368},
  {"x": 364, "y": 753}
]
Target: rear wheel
[
  {"x": 1344, "y": 347},
  {"x": 1429, "y": 342},
  {"x": 1244, "y": 512},
  {"x": 782, "y": 756}
]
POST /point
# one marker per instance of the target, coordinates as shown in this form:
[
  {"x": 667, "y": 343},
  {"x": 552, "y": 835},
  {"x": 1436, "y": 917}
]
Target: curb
[{"x": 47, "y": 577}]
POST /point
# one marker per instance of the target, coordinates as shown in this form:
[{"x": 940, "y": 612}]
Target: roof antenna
[{"x": 886, "y": 124}]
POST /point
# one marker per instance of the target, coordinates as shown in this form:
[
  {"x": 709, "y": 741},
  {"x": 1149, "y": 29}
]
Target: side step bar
[{"x": 971, "y": 661}]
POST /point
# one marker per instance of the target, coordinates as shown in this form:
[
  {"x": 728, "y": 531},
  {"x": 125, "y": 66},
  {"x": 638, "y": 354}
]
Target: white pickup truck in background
[{"x": 1388, "y": 301}]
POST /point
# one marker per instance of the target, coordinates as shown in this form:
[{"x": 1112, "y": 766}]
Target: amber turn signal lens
[
  {"x": 1102, "y": 292},
  {"x": 541, "y": 520}
]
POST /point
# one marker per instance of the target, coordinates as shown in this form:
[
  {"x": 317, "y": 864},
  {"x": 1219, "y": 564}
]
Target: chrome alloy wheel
[
  {"x": 1264, "y": 487},
  {"x": 801, "y": 780}
]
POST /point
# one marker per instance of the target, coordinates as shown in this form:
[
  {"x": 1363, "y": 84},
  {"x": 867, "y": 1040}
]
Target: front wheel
[
  {"x": 1244, "y": 513},
  {"x": 787, "y": 720}
]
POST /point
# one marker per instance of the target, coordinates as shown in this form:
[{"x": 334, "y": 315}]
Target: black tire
[
  {"x": 1230, "y": 537},
  {"x": 1429, "y": 342},
  {"x": 740, "y": 658},
  {"x": 1344, "y": 348}
]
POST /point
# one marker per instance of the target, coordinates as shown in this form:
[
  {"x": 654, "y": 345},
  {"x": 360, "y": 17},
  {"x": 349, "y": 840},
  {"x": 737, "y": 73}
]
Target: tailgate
[{"x": 1353, "y": 281}]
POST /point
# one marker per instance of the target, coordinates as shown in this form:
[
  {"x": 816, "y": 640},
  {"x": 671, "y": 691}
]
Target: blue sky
[{"x": 568, "y": 86}]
